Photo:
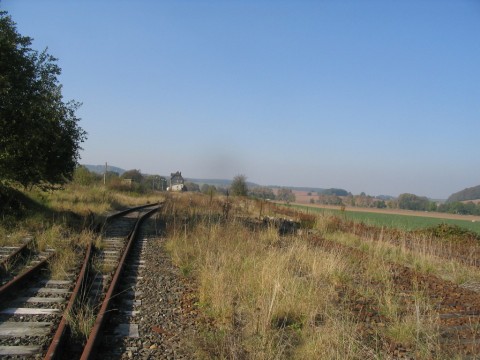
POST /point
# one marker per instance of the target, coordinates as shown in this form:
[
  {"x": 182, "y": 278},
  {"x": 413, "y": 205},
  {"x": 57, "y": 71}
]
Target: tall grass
[
  {"x": 13, "y": 238},
  {"x": 287, "y": 297},
  {"x": 92, "y": 199},
  {"x": 270, "y": 297},
  {"x": 417, "y": 251}
]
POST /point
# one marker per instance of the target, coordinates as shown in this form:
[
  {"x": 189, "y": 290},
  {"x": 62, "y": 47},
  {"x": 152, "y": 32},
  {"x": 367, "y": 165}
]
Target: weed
[{"x": 81, "y": 319}]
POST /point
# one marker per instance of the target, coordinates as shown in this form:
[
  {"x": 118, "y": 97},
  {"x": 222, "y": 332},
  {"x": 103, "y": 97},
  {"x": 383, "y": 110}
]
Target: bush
[{"x": 450, "y": 232}]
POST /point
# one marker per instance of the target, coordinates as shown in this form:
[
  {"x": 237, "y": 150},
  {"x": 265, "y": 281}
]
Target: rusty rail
[
  {"x": 93, "y": 339},
  {"x": 100, "y": 226},
  {"x": 18, "y": 281},
  {"x": 13, "y": 257},
  {"x": 56, "y": 346}
]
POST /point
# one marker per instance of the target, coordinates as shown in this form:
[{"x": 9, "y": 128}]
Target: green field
[{"x": 404, "y": 222}]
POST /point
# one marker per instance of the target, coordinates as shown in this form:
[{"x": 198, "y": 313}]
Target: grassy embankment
[
  {"x": 272, "y": 296},
  {"x": 60, "y": 219},
  {"x": 268, "y": 296}
]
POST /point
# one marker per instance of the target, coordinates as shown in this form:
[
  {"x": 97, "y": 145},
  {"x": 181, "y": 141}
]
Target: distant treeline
[
  {"x": 130, "y": 180},
  {"x": 404, "y": 201},
  {"x": 414, "y": 202},
  {"x": 457, "y": 207}
]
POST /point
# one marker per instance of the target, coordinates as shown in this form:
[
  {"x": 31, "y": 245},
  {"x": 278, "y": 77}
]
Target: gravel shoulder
[{"x": 168, "y": 316}]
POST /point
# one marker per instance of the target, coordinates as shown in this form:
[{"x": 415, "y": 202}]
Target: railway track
[
  {"x": 114, "y": 262},
  {"x": 127, "y": 303},
  {"x": 36, "y": 311},
  {"x": 31, "y": 307}
]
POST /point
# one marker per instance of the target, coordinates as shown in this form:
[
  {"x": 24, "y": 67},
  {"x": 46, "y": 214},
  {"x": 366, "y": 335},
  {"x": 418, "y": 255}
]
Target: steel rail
[
  {"x": 13, "y": 256},
  {"x": 93, "y": 339},
  {"x": 56, "y": 346},
  {"x": 19, "y": 280},
  {"x": 126, "y": 211}
]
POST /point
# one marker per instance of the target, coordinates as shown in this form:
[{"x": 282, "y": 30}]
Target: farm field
[{"x": 403, "y": 219}]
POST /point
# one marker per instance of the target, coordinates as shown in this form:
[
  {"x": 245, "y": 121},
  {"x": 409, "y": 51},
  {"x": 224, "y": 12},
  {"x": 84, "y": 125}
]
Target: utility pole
[{"x": 105, "y": 174}]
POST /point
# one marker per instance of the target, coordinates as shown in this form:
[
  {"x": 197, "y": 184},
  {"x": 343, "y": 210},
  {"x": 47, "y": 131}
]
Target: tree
[
  {"x": 262, "y": 192},
  {"x": 155, "y": 182},
  {"x": 40, "y": 138},
  {"x": 333, "y": 191},
  {"x": 191, "y": 186},
  {"x": 208, "y": 189},
  {"x": 364, "y": 200},
  {"x": 239, "y": 186},
  {"x": 83, "y": 176},
  {"x": 286, "y": 195},
  {"x": 134, "y": 175},
  {"x": 457, "y": 207},
  {"x": 380, "y": 204},
  {"x": 111, "y": 176},
  {"x": 329, "y": 200},
  {"x": 413, "y": 202}
]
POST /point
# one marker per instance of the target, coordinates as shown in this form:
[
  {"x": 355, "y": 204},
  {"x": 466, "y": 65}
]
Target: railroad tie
[{"x": 20, "y": 350}]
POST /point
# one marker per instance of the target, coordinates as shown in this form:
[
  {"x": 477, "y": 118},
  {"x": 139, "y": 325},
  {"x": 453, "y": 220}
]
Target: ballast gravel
[{"x": 167, "y": 322}]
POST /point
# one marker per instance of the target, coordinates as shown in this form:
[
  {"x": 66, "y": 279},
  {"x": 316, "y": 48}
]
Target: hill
[
  {"x": 100, "y": 169},
  {"x": 218, "y": 182},
  {"x": 472, "y": 193},
  {"x": 299, "y": 188}
]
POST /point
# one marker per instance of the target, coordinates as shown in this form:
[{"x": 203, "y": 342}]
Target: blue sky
[{"x": 374, "y": 96}]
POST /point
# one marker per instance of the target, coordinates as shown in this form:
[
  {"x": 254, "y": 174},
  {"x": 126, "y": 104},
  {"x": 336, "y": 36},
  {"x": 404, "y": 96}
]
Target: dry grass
[
  {"x": 80, "y": 320},
  {"x": 13, "y": 238},
  {"x": 66, "y": 244},
  {"x": 84, "y": 200},
  {"x": 271, "y": 297},
  {"x": 274, "y": 297},
  {"x": 422, "y": 255}
]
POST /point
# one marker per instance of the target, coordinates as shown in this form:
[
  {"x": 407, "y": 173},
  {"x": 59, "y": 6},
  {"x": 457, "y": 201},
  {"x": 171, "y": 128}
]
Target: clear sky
[{"x": 374, "y": 96}]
